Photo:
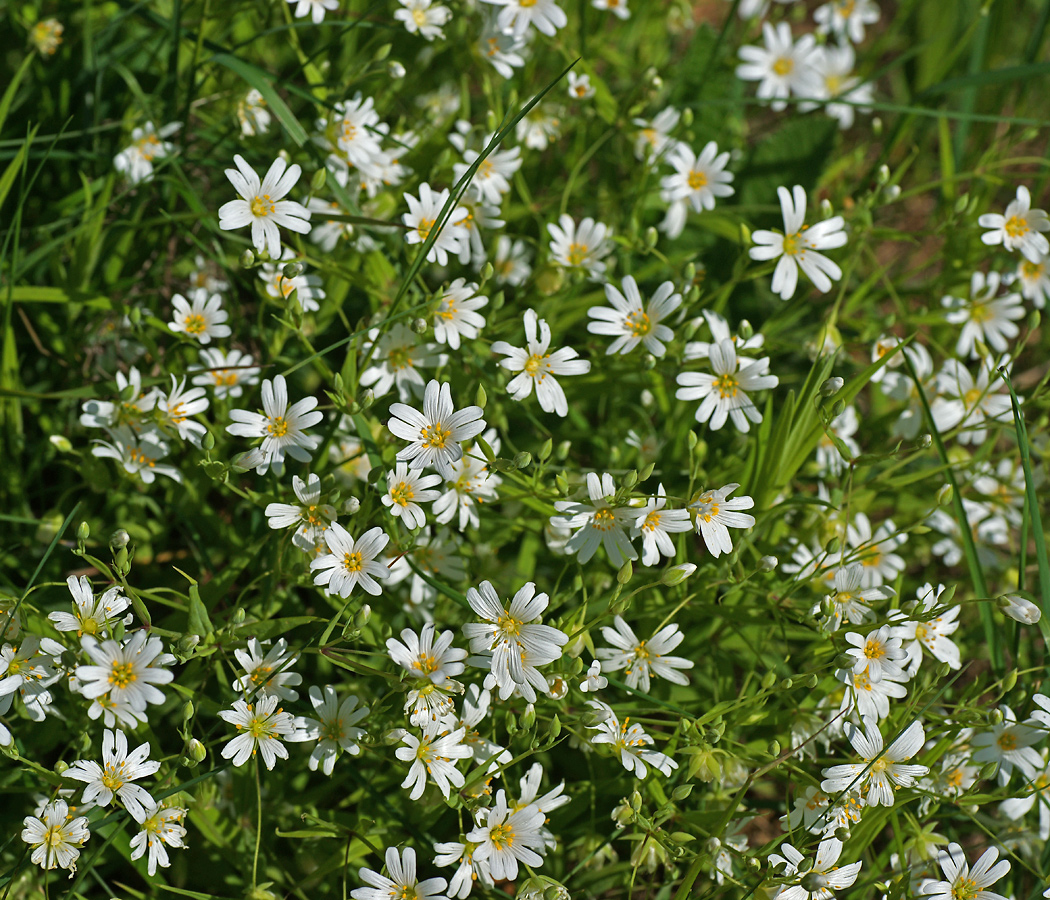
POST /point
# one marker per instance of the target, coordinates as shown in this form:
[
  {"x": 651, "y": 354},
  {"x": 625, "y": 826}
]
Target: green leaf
[
  {"x": 273, "y": 627},
  {"x": 9, "y": 92}
]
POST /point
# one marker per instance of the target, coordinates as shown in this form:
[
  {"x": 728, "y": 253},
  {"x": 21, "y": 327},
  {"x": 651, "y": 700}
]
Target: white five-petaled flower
[
  {"x": 228, "y": 373},
  {"x": 594, "y": 680},
  {"x": 179, "y": 405},
  {"x": 424, "y": 657},
  {"x": 506, "y": 836},
  {"x": 599, "y": 522},
  {"x": 397, "y": 360},
  {"x": 515, "y": 638},
  {"x": 617, "y": 7},
  {"x": 350, "y": 563},
  {"x": 716, "y": 514},
  {"x": 846, "y": 18},
  {"x": 126, "y": 672},
  {"x": 115, "y": 776},
  {"x": 518, "y": 16},
  {"x": 963, "y": 883},
  {"x": 882, "y": 770},
  {"x": 1019, "y": 228},
  {"x": 436, "y": 432},
  {"x": 782, "y": 67},
  {"x": 262, "y": 726},
  {"x": 160, "y": 825},
  {"x": 656, "y": 524},
  {"x": 314, "y": 8},
  {"x": 1034, "y": 278},
  {"x": 402, "y": 883},
  {"x": 631, "y": 322},
  {"x": 333, "y": 729},
  {"x": 581, "y": 247},
  {"x": 724, "y": 393},
  {"x": 797, "y": 246},
  {"x": 405, "y": 489},
  {"x": 696, "y": 182},
  {"x": 311, "y": 517},
  {"x": 654, "y": 137},
  {"x": 1009, "y": 744},
  {"x": 282, "y": 427},
  {"x": 458, "y": 317},
  {"x": 138, "y": 453},
  {"x": 642, "y": 658},
  {"x": 818, "y": 880},
  {"x": 434, "y": 753},
  {"x": 202, "y": 319},
  {"x": 580, "y": 87},
  {"x": 918, "y": 630},
  {"x": 879, "y": 652},
  {"x": 56, "y": 837},
  {"x": 90, "y": 616},
  {"x": 269, "y": 674},
  {"x": 423, "y": 18},
  {"x": 986, "y": 317},
  {"x": 536, "y": 367},
  {"x": 262, "y": 204},
  {"x": 147, "y": 144},
  {"x": 630, "y": 742},
  {"x": 422, "y": 218}
]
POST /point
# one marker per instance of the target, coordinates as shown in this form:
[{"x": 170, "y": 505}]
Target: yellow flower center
[
  {"x": 727, "y": 386},
  {"x": 980, "y": 312},
  {"x": 420, "y": 17},
  {"x": 964, "y": 889},
  {"x": 509, "y": 625},
  {"x": 225, "y": 377},
  {"x": 402, "y": 493},
  {"x": 353, "y": 562},
  {"x": 136, "y": 456},
  {"x": 263, "y": 206},
  {"x": 1007, "y": 741},
  {"x": 1016, "y": 227},
  {"x": 278, "y": 427},
  {"x": 113, "y": 776},
  {"x": 525, "y": 4},
  {"x": 122, "y": 674},
  {"x": 577, "y": 254},
  {"x": 424, "y": 227},
  {"x": 148, "y": 146},
  {"x": 697, "y": 180},
  {"x": 604, "y": 519},
  {"x": 874, "y": 649},
  {"x": 794, "y": 244},
  {"x": 920, "y": 632},
  {"x": 652, "y": 521},
  {"x": 783, "y": 66},
  {"x": 503, "y": 835},
  {"x": 971, "y": 397},
  {"x": 709, "y": 510},
  {"x": 435, "y": 436},
  {"x": 195, "y": 324},
  {"x": 534, "y": 364},
  {"x": 1031, "y": 270},
  {"x": 639, "y": 324}
]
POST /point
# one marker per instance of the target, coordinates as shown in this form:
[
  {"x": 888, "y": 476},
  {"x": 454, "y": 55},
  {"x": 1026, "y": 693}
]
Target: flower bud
[
  {"x": 545, "y": 451},
  {"x": 528, "y": 718},
  {"x": 681, "y": 792},
  {"x": 61, "y": 443},
  {"x": 1019, "y": 609},
  {"x": 826, "y": 208},
  {"x": 892, "y": 192},
  {"x": 292, "y": 269},
  {"x": 481, "y": 397},
  {"x": 842, "y": 834},
  {"x": 745, "y": 330},
  {"x": 83, "y": 531},
  {"x": 944, "y": 495},
  {"x": 195, "y": 753},
  {"x": 61, "y": 767},
  {"x": 883, "y": 175},
  {"x": 832, "y": 386},
  {"x": 208, "y": 441},
  {"x": 382, "y": 53},
  {"x": 238, "y": 616},
  {"x": 187, "y": 710},
  {"x": 773, "y": 749},
  {"x": 924, "y": 442},
  {"x": 768, "y": 563},
  {"x": 594, "y": 717},
  {"x": 625, "y": 574},
  {"x": 677, "y": 574},
  {"x": 395, "y": 70},
  {"x": 769, "y": 679},
  {"x": 989, "y": 771},
  {"x": 247, "y": 259},
  {"x": 651, "y": 237},
  {"x": 523, "y": 460}
]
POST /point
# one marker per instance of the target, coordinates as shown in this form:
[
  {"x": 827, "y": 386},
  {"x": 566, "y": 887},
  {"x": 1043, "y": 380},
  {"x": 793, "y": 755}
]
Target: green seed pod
[
  {"x": 83, "y": 531},
  {"x": 318, "y": 180},
  {"x": 768, "y": 680}
]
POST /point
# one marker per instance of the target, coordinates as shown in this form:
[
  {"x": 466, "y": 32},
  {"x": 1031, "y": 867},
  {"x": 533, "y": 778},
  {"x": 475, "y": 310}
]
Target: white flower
[
  {"x": 642, "y": 658},
  {"x": 519, "y": 15},
  {"x": 422, "y": 217},
  {"x": 502, "y": 49},
  {"x": 846, "y": 18},
  {"x": 819, "y": 879},
  {"x": 252, "y": 113},
  {"x": 457, "y": 316},
  {"x": 507, "y": 837},
  {"x": 879, "y": 564},
  {"x": 630, "y": 742},
  {"x": 617, "y": 7},
  {"x": 1035, "y": 280},
  {"x": 1020, "y": 609},
  {"x": 160, "y": 825},
  {"x": 262, "y": 728},
  {"x": 869, "y": 699},
  {"x": 28, "y": 670},
  {"x": 964, "y": 883},
  {"x": 125, "y": 672},
  {"x": 719, "y": 332},
  {"x": 985, "y": 318},
  {"x": 471, "y": 484},
  {"x": 879, "y": 653},
  {"x": 406, "y": 489},
  {"x": 881, "y": 771},
  {"x": 269, "y": 675},
  {"x": 314, "y": 8},
  {"x": 538, "y": 128},
  {"x": 132, "y": 406},
  {"x": 333, "y": 729},
  {"x": 203, "y": 319},
  {"x": 179, "y": 405},
  {"x": 89, "y": 616},
  {"x": 583, "y": 247},
  {"x": 782, "y": 67},
  {"x": 537, "y": 367},
  {"x": 972, "y": 403},
  {"x": 423, "y": 657},
  {"x": 314, "y": 516},
  {"x": 716, "y": 514},
  {"x": 436, "y": 432},
  {"x": 147, "y": 144},
  {"x": 469, "y": 871},
  {"x": 834, "y": 83},
  {"x": 631, "y": 322},
  {"x": 697, "y": 180},
  {"x": 510, "y": 265},
  {"x": 797, "y": 246},
  {"x": 228, "y": 373},
  {"x": 516, "y": 639},
  {"x": 491, "y": 182},
  {"x": 422, "y": 18},
  {"x": 843, "y": 427},
  {"x": 918, "y": 630},
  {"x": 402, "y": 883},
  {"x": 350, "y": 563},
  {"x": 307, "y": 288},
  {"x": 139, "y": 454},
  {"x": 262, "y": 205},
  {"x": 433, "y": 753},
  {"x": 724, "y": 394},
  {"x": 396, "y": 361},
  {"x": 56, "y": 837},
  {"x": 654, "y": 138},
  {"x": 1020, "y": 228},
  {"x": 115, "y": 776},
  {"x": 281, "y": 427},
  {"x": 594, "y": 680},
  {"x": 580, "y": 87},
  {"x": 656, "y": 524},
  {"x": 598, "y": 522}
]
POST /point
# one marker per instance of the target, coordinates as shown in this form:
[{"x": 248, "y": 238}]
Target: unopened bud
[
  {"x": 787, "y": 684},
  {"x": 924, "y": 442},
  {"x": 1009, "y": 681},
  {"x": 83, "y": 531},
  {"x": 995, "y": 717},
  {"x": 61, "y": 443},
  {"x": 842, "y": 834},
  {"x": 393, "y": 736},
  {"x": 481, "y": 396},
  {"x": 365, "y": 398},
  {"x": 826, "y": 208},
  {"x": 745, "y": 330},
  {"x": 61, "y": 767},
  {"x": 989, "y": 771},
  {"x": 292, "y": 269},
  {"x": 195, "y": 752},
  {"x": 883, "y": 175},
  {"x": 382, "y": 53},
  {"x": 892, "y": 192},
  {"x": 419, "y": 325},
  {"x": 845, "y": 661},
  {"x": 681, "y": 792},
  {"x": 555, "y": 729},
  {"x": 768, "y": 563},
  {"x": 838, "y": 408},
  {"x": 208, "y": 441},
  {"x": 944, "y": 495},
  {"x": 247, "y": 259},
  {"x": 395, "y": 70},
  {"x": 238, "y": 616},
  {"x": 187, "y": 710},
  {"x": 832, "y": 386},
  {"x": 677, "y": 574},
  {"x": 545, "y": 450},
  {"x": 528, "y": 718},
  {"x": 1034, "y": 319},
  {"x": 773, "y": 749},
  {"x": 625, "y": 574},
  {"x": 119, "y": 540},
  {"x": 768, "y": 680},
  {"x": 812, "y": 682},
  {"x": 523, "y": 460},
  {"x": 651, "y": 237},
  {"x": 648, "y": 362},
  {"x": 876, "y": 125}
]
